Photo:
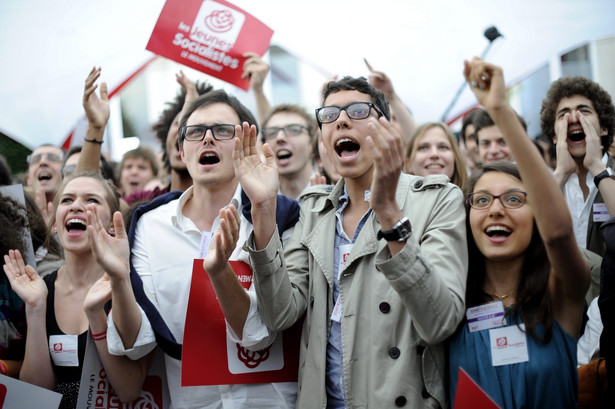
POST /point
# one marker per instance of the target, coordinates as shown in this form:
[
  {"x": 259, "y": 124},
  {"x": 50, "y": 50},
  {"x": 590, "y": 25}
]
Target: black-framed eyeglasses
[
  {"x": 51, "y": 157},
  {"x": 513, "y": 199},
  {"x": 355, "y": 110},
  {"x": 289, "y": 130},
  {"x": 196, "y": 133}
]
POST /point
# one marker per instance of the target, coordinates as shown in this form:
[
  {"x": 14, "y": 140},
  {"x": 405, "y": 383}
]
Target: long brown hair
[{"x": 533, "y": 302}]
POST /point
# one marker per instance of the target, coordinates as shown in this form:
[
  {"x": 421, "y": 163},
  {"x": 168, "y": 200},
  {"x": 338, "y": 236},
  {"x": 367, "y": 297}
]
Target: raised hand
[
  {"x": 381, "y": 81},
  {"x": 258, "y": 177},
  {"x": 24, "y": 280},
  {"x": 110, "y": 250},
  {"x": 96, "y": 108},
  {"x": 255, "y": 69},
  {"x": 317, "y": 179},
  {"x": 188, "y": 85},
  {"x": 98, "y": 295},
  {"x": 386, "y": 145},
  {"x": 223, "y": 242},
  {"x": 46, "y": 208},
  {"x": 593, "y": 147},
  {"x": 487, "y": 82},
  {"x": 566, "y": 165}
]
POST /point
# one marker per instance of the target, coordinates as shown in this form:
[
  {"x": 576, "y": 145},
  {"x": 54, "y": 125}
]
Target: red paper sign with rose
[
  {"x": 210, "y": 36},
  {"x": 210, "y": 358}
]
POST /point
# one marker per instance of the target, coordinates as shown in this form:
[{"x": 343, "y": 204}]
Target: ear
[{"x": 603, "y": 132}]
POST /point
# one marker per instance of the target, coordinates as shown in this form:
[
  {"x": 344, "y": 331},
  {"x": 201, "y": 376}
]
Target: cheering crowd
[{"x": 386, "y": 260}]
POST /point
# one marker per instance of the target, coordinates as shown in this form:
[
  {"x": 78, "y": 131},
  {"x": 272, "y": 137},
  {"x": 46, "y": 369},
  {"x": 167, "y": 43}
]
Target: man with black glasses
[
  {"x": 44, "y": 175},
  {"x": 377, "y": 264},
  {"x": 291, "y": 132},
  {"x": 171, "y": 232}
]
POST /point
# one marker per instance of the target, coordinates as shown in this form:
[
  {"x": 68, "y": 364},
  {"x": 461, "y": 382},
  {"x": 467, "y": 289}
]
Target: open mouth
[
  {"x": 74, "y": 225},
  {"x": 284, "y": 154},
  {"x": 434, "y": 166},
  {"x": 346, "y": 147},
  {"x": 209, "y": 158},
  {"x": 498, "y": 231},
  {"x": 44, "y": 176},
  {"x": 576, "y": 136}
]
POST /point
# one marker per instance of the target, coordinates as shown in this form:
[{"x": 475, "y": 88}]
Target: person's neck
[
  {"x": 180, "y": 180},
  {"x": 502, "y": 278},
  {"x": 291, "y": 186},
  {"x": 81, "y": 270},
  {"x": 206, "y": 201}
]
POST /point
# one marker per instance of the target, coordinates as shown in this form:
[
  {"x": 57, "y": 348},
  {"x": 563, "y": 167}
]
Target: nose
[
  {"x": 281, "y": 134},
  {"x": 77, "y": 205},
  {"x": 496, "y": 208},
  {"x": 433, "y": 151},
  {"x": 209, "y": 137},
  {"x": 343, "y": 121}
]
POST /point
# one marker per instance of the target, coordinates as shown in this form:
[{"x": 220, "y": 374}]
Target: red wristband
[{"x": 100, "y": 336}]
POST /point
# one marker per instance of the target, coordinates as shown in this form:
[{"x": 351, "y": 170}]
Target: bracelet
[
  {"x": 93, "y": 141},
  {"x": 100, "y": 336},
  {"x": 4, "y": 368}
]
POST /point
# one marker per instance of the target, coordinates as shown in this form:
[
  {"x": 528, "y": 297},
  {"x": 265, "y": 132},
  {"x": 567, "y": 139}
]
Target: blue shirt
[
  {"x": 548, "y": 380},
  {"x": 334, "y": 372}
]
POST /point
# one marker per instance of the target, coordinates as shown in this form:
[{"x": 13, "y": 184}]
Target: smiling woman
[
  {"x": 432, "y": 150},
  {"x": 62, "y": 306}
]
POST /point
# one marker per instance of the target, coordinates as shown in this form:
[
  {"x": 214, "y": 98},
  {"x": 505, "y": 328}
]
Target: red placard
[
  {"x": 470, "y": 396},
  {"x": 210, "y": 36},
  {"x": 209, "y": 358}
]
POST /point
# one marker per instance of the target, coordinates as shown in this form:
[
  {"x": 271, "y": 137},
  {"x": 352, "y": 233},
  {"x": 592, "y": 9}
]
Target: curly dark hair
[
  {"x": 567, "y": 87},
  {"x": 358, "y": 84},
  {"x": 533, "y": 302},
  {"x": 13, "y": 218},
  {"x": 162, "y": 126}
]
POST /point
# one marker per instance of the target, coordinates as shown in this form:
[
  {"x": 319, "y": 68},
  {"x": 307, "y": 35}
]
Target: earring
[{"x": 111, "y": 230}]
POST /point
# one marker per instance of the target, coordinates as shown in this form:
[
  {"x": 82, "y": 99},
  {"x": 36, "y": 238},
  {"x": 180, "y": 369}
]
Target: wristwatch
[
  {"x": 607, "y": 173},
  {"x": 400, "y": 232}
]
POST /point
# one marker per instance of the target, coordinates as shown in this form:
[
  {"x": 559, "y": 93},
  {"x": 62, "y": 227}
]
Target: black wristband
[{"x": 93, "y": 141}]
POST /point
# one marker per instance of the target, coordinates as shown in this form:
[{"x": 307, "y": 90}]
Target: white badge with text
[
  {"x": 344, "y": 254},
  {"x": 601, "y": 214},
  {"x": 486, "y": 316},
  {"x": 205, "y": 239},
  {"x": 64, "y": 350},
  {"x": 508, "y": 345}
]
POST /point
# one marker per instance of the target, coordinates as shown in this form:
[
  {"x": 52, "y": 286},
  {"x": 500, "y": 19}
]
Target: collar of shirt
[{"x": 184, "y": 223}]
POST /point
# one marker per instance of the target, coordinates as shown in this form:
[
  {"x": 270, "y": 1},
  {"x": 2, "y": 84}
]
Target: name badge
[
  {"x": 508, "y": 345},
  {"x": 344, "y": 254},
  {"x": 205, "y": 239},
  {"x": 64, "y": 350},
  {"x": 486, "y": 316},
  {"x": 601, "y": 214}
]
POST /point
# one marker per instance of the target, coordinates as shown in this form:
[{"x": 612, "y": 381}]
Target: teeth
[
  {"x": 434, "y": 167},
  {"x": 210, "y": 155},
  {"x": 341, "y": 141},
  {"x": 79, "y": 221},
  {"x": 492, "y": 229}
]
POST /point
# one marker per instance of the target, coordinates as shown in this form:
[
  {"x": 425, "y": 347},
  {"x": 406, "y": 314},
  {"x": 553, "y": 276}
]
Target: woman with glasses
[{"x": 527, "y": 277}]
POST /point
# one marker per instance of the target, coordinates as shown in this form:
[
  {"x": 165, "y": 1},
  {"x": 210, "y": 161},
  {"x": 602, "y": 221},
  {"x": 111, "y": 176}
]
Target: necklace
[{"x": 501, "y": 297}]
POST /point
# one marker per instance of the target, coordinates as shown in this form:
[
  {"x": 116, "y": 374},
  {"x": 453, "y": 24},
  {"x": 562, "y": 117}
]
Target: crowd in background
[{"x": 384, "y": 239}]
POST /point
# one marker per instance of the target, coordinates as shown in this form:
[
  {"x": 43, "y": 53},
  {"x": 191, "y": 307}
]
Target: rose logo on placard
[
  {"x": 220, "y": 21},
  {"x": 57, "y": 347},
  {"x": 252, "y": 359},
  {"x": 145, "y": 401},
  {"x": 502, "y": 342}
]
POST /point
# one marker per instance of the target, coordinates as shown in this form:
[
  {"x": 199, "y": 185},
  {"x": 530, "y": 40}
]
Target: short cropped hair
[
  {"x": 213, "y": 97},
  {"x": 362, "y": 85}
]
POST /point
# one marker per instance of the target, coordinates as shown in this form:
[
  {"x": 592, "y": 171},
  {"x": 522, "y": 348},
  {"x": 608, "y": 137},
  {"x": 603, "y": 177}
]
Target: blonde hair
[{"x": 460, "y": 175}]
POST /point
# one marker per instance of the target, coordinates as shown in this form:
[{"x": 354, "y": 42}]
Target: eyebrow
[{"x": 580, "y": 106}]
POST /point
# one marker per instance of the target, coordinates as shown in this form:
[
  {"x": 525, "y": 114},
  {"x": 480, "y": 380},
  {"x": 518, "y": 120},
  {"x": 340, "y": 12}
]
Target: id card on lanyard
[{"x": 344, "y": 254}]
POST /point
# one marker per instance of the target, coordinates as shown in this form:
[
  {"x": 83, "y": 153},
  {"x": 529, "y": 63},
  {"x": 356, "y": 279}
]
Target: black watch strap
[
  {"x": 400, "y": 232},
  {"x": 607, "y": 173}
]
